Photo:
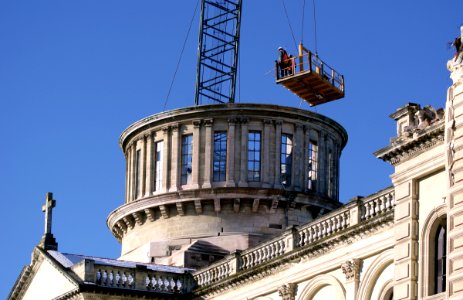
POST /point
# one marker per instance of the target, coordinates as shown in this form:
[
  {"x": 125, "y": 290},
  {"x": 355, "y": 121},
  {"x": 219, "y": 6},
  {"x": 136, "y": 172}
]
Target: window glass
[
  {"x": 254, "y": 140},
  {"x": 187, "y": 158},
  {"x": 220, "y": 156},
  {"x": 286, "y": 154}
]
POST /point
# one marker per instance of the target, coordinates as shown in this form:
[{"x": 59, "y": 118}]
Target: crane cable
[
  {"x": 315, "y": 27},
  {"x": 302, "y": 22},
  {"x": 181, "y": 54},
  {"x": 289, "y": 23}
]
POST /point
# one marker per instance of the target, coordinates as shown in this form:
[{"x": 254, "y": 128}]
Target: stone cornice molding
[
  {"x": 122, "y": 218},
  {"x": 248, "y": 110},
  {"x": 403, "y": 149}
]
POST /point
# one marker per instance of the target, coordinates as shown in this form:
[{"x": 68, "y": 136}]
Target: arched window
[
  {"x": 440, "y": 256},
  {"x": 436, "y": 252}
]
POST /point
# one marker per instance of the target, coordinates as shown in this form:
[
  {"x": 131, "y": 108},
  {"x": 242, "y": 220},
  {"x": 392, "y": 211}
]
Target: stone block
[
  {"x": 456, "y": 242},
  {"x": 402, "y": 231},
  {"x": 402, "y": 210},
  {"x": 402, "y": 251},
  {"x": 401, "y": 291},
  {"x": 456, "y": 264},
  {"x": 456, "y": 198},
  {"x": 402, "y": 271},
  {"x": 456, "y": 286},
  {"x": 402, "y": 191}
]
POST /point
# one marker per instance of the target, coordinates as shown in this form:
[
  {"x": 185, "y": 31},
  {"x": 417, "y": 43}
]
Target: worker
[{"x": 285, "y": 63}]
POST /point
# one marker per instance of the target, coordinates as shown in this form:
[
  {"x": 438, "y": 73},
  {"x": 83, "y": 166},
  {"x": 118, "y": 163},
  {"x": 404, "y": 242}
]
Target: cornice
[{"x": 405, "y": 148}]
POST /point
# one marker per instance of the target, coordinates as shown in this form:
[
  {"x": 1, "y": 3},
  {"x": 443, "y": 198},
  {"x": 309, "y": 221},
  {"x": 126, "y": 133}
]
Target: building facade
[{"x": 240, "y": 201}]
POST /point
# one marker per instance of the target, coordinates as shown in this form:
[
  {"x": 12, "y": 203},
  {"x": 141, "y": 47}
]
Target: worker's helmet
[{"x": 280, "y": 48}]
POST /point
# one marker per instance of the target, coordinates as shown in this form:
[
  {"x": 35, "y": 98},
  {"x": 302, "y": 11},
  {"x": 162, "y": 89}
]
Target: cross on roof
[
  {"x": 48, "y": 208},
  {"x": 48, "y": 242}
]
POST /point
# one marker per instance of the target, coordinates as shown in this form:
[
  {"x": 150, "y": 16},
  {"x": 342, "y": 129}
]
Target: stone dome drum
[{"x": 231, "y": 175}]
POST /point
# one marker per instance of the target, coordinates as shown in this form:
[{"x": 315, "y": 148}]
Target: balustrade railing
[
  {"x": 141, "y": 279},
  {"x": 350, "y": 214}
]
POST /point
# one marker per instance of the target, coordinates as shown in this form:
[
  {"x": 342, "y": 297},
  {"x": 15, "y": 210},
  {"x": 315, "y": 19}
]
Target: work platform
[{"x": 310, "y": 78}]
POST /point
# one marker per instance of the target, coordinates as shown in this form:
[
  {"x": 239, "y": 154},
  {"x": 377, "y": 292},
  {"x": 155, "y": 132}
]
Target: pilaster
[
  {"x": 406, "y": 240},
  {"x": 454, "y": 169},
  {"x": 208, "y": 154},
  {"x": 230, "y": 173},
  {"x": 175, "y": 159},
  {"x": 196, "y": 154},
  {"x": 265, "y": 166},
  {"x": 298, "y": 162},
  {"x": 244, "y": 154},
  {"x": 351, "y": 270},
  {"x": 166, "y": 158},
  {"x": 149, "y": 165},
  {"x": 277, "y": 183}
]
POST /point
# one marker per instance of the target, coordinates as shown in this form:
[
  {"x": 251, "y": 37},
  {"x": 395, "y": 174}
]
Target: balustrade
[{"x": 310, "y": 233}]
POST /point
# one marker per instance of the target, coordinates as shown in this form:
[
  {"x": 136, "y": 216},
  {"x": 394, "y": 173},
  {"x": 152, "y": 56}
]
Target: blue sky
[{"x": 75, "y": 74}]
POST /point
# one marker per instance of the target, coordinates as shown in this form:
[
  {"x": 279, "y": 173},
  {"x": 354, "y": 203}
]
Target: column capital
[
  {"x": 208, "y": 122},
  {"x": 197, "y": 123},
  {"x": 267, "y": 121},
  {"x": 175, "y": 127}
]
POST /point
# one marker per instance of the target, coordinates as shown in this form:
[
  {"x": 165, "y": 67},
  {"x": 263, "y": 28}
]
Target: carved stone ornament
[
  {"x": 351, "y": 269},
  {"x": 288, "y": 291}
]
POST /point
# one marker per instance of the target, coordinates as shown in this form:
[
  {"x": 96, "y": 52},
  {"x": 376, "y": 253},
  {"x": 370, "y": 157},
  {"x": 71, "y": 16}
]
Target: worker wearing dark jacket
[{"x": 284, "y": 63}]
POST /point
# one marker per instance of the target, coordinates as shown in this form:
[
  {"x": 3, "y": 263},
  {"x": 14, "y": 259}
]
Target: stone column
[
  {"x": 244, "y": 154},
  {"x": 165, "y": 158},
  {"x": 196, "y": 153},
  {"x": 175, "y": 164},
  {"x": 277, "y": 158},
  {"x": 454, "y": 169},
  {"x": 208, "y": 154},
  {"x": 149, "y": 164},
  {"x": 265, "y": 165},
  {"x": 230, "y": 173}
]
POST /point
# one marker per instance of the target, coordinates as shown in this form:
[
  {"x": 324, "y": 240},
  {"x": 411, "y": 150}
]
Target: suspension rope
[
  {"x": 289, "y": 23},
  {"x": 181, "y": 54},
  {"x": 315, "y": 27},
  {"x": 302, "y": 25}
]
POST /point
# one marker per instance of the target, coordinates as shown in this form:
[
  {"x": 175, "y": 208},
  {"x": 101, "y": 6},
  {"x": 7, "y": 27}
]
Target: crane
[
  {"x": 219, "y": 38},
  {"x": 306, "y": 75}
]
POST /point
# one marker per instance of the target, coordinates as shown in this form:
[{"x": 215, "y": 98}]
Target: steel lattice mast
[{"x": 218, "y": 51}]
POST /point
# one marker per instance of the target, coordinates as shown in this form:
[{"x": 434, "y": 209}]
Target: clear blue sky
[{"x": 75, "y": 74}]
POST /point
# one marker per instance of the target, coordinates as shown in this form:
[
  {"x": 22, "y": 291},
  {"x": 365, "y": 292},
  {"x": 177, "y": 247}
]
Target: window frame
[
  {"x": 186, "y": 156},
  {"x": 254, "y": 157},
  {"x": 286, "y": 154},
  {"x": 219, "y": 157}
]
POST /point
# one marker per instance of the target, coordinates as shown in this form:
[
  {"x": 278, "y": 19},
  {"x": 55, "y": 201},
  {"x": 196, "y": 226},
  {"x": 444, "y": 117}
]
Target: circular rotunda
[{"x": 227, "y": 176}]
